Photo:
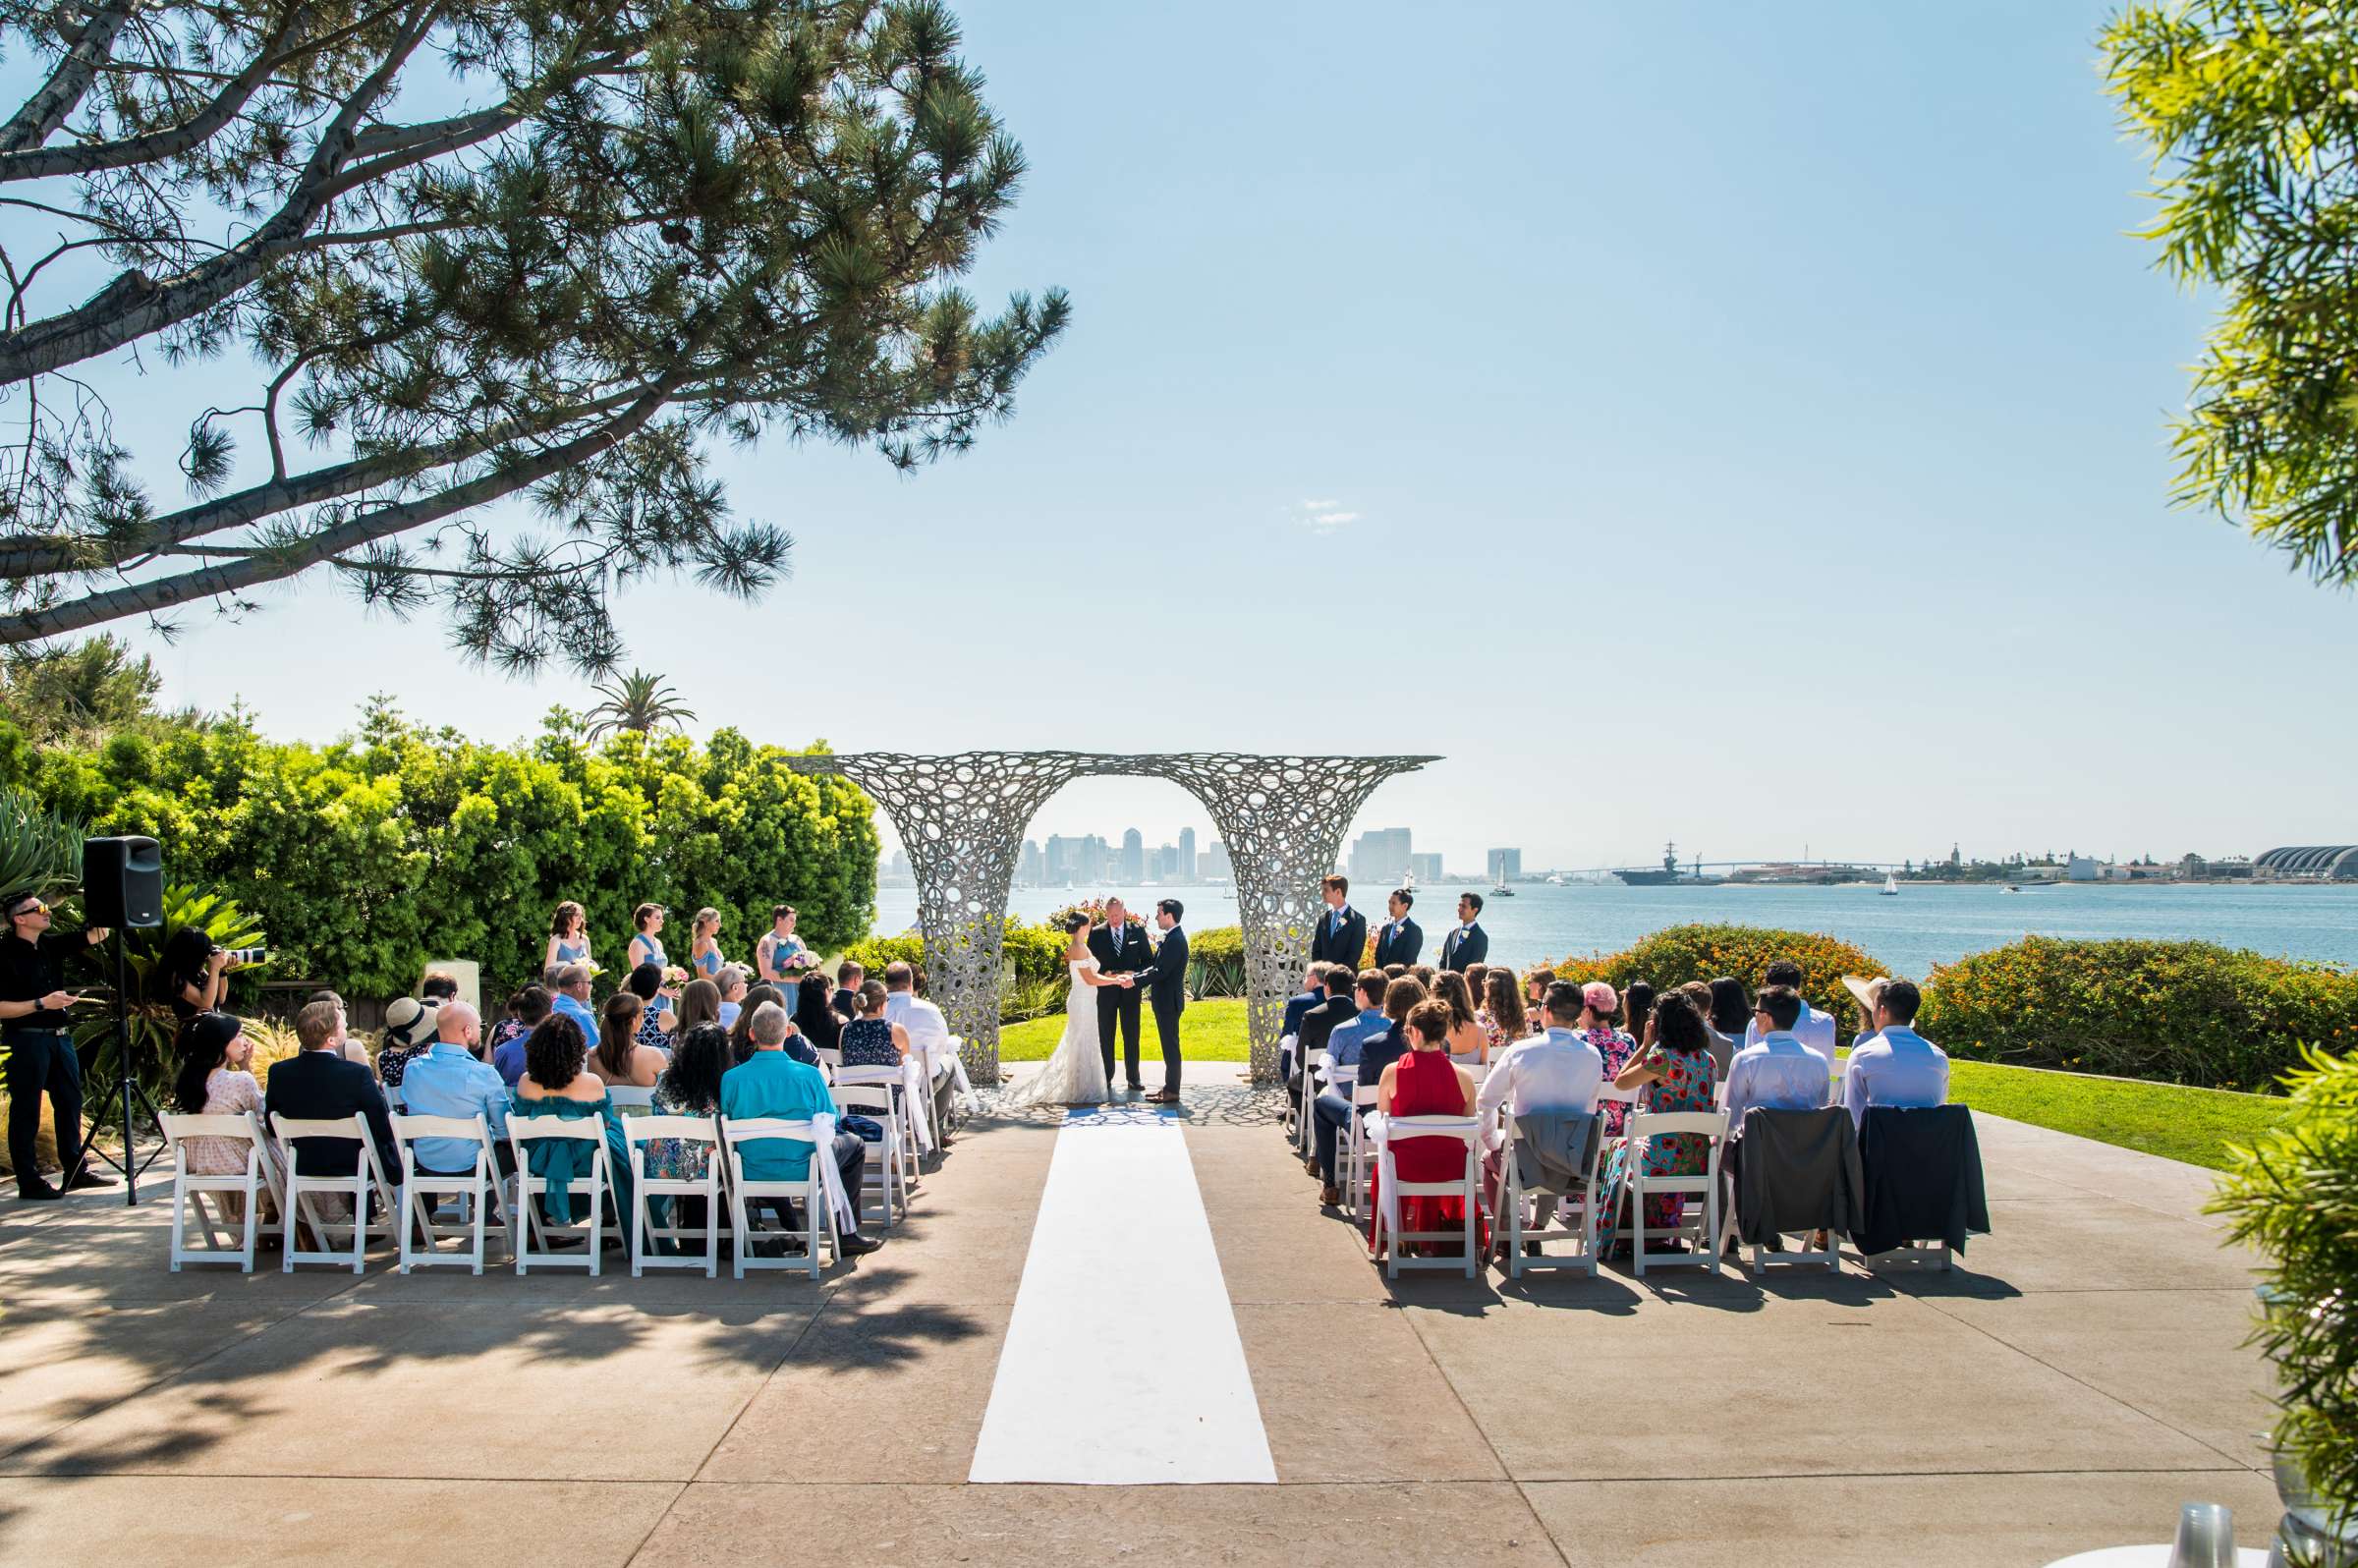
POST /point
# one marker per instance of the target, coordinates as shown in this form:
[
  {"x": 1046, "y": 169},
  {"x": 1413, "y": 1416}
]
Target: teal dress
[
  {"x": 656, "y": 955},
  {"x": 567, "y": 1157},
  {"x": 708, "y": 965}
]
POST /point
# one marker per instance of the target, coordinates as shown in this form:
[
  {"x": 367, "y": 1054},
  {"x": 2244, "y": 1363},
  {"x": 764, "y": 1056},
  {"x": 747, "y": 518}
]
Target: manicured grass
[{"x": 2194, "y": 1125}]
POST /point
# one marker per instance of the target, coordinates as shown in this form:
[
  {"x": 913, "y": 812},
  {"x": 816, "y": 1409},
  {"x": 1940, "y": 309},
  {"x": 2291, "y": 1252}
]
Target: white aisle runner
[{"x": 1122, "y": 1364}]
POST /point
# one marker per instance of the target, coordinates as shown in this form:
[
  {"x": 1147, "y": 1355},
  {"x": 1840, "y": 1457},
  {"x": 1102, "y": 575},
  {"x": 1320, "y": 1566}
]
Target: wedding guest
[
  {"x": 1556, "y": 1070},
  {"x": 1336, "y": 1006},
  {"x": 1780, "y": 1072},
  {"x": 1535, "y": 990},
  {"x": 1469, "y": 943},
  {"x": 1341, "y": 934},
  {"x": 690, "y": 1087},
  {"x": 408, "y": 1035},
  {"x": 1395, "y": 972},
  {"x": 1864, "y": 993},
  {"x": 526, "y": 1008},
  {"x": 572, "y": 999},
  {"x": 568, "y": 938},
  {"x": 318, "y": 1084},
  {"x": 731, "y": 985},
  {"x": 1311, "y": 993},
  {"x": 1424, "y": 1082},
  {"x": 1675, "y": 1073},
  {"x": 1477, "y": 981},
  {"x": 872, "y": 1039},
  {"x": 1400, "y": 940},
  {"x": 1813, "y": 1029},
  {"x": 215, "y": 1078},
  {"x": 741, "y": 1032},
  {"x": 1422, "y": 975},
  {"x": 622, "y": 1057},
  {"x": 1723, "y": 1049},
  {"x": 1599, "y": 1004},
  {"x": 352, "y": 1050},
  {"x": 558, "y": 1083},
  {"x": 1469, "y": 1042},
  {"x": 848, "y": 977},
  {"x": 1730, "y": 1016},
  {"x": 191, "y": 975},
  {"x": 703, "y": 944},
  {"x": 1502, "y": 1018},
  {"x": 439, "y": 986},
  {"x": 1637, "y": 1003},
  {"x": 645, "y": 982},
  {"x": 770, "y": 1084},
  {"x": 1897, "y": 1067},
  {"x": 815, "y": 1020},
  {"x": 447, "y": 1081},
  {"x": 700, "y": 1003},
  {"x": 1332, "y": 1109},
  {"x": 781, "y": 958},
  {"x": 927, "y": 1030}
]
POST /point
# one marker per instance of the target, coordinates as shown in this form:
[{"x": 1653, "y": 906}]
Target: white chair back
[
  {"x": 536, "y": 1230},
  {"x": 1388, "y": 1133},
  {"x": 1699, "y": 1231},
  {"x": 1351, "y": 1152},
  {"x": 194, "y": 1192},
  {"x": 1515, "y": 1215},
  {"x": 818, "y": 1217},
  {"x": 637, "y": 1133},
  {"x": 881, "y": 1170},
  {"x": 367, "y": 1178},
  {"x": 478, "y": 1189}
]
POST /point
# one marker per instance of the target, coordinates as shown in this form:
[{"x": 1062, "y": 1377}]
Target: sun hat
[
  {"x": 1599, "y": 997},
  {"x": 1865, "y": 989},
  {"x": 409, "y": 1020}
]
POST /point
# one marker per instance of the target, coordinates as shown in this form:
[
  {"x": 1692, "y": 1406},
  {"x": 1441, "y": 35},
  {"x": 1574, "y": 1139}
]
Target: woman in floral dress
[
  {"x": 1598, "y": 1006},
  {"x": 1675, "y": 1075}
]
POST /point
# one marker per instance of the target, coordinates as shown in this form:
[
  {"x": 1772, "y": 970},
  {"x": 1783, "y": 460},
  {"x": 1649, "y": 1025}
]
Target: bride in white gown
[{"x": 1076, "y": 1074}]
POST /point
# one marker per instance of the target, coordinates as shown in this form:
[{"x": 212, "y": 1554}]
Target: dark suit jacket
[
  {"x": 1127, "y": 954},
  {"x": 1299, "y": 1007},
  {"x": 1402, "y": 948},
  {"x": 1473, "y": 948},
  {"x": 1379, "y": 1053},
  {"x": 322, "y": 1086},
  {"x": 1319, "y": 1022},
  {"x": 1339, "y": 947},
  {"x": 1167, "y": 990}
]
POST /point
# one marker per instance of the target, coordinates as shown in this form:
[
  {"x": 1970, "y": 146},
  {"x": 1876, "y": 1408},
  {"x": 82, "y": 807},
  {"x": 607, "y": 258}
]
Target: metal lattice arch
[{"x": 961, "y": 819}]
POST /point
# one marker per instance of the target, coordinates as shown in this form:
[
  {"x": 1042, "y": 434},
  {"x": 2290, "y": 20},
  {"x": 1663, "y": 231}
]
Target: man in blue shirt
[
  {"x": 572, "y": 999},
  {"x": 447, "y": 1081},
  {"x": 1331, "y": 1111},
  {"x": 771, "y": 1083}
]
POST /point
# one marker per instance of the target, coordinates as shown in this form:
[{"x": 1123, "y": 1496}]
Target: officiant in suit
[
  {"x": 1399, "y": 940},
  {"x": 1468, "y": 945},
  {"x": 1341, "y": 937},
  {"x": 1166, "y": 988},
  {"x": 1120, "y": 947}
]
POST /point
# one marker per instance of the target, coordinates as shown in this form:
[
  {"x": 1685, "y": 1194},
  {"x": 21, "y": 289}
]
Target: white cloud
[
  {"x": 1317, "y": 506},
  {"x": 1322, "y": 516}
]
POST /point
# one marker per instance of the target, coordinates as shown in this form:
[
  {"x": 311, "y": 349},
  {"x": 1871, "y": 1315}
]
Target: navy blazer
[
  {"x": 322, "y": 1086},
  {"x": 1460, "y": 952},
  {"x": 1346, "y": 946},
  {"x": 1401, "y": 947}
]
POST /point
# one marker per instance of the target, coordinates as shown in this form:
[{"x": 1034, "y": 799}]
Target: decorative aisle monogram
[{"x": 962, "y": 818}]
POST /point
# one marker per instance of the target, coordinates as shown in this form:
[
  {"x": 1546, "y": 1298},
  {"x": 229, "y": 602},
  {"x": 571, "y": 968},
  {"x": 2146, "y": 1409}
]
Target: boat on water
[
  {"x": 1502, "y": 891},
  {"x": 1662, "y": 878},
  {"x": 1891, "y": 886}
]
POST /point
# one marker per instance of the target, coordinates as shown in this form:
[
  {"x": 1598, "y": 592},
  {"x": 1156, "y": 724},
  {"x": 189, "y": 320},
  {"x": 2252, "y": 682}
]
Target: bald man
[{"x": 447, "y": 1081}]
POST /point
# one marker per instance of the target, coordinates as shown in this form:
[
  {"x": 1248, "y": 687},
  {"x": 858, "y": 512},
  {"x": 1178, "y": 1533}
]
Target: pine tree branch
[{"x": 40, "y": 115}]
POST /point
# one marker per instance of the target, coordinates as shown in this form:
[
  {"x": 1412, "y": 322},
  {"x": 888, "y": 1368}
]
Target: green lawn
[{"x": 2194, "y": 1125}]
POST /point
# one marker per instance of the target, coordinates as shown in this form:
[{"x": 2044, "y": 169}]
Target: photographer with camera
[
  {"x": 191, "y": 974},
  {"x": 41, "y": 1053}
]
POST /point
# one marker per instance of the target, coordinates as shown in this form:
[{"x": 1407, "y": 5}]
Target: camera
[{"x": 247, "y": 957}]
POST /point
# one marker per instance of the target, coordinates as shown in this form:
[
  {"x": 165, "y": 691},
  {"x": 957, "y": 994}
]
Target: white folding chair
[
  {"x": 477, "y": 1189},
  {"x": 1351, "y": 1152},
  {"x": 635, "y": 1133},
  {"x": 394, "y": 1098},
  {"x": 830, "y": 1060},
  {"x": 629, "y": 1101},
  {"x": 367, "y": 1177},
  {"x": 1291, "y": 1126},
  {"x": 1762, "y": 1259},
  {"x": 535, "y": 1232},
  {"x": 189, "y": 1189},
  {"x": 880, "y": 1170},
  {"x": 1386, "y": 1133},
  {"x": 1514, "y": 1220},
  {"x": 906, "y": 1114},
  {"x": 1699, "y": 1230},
  {"x": 818, "y": 1215}
]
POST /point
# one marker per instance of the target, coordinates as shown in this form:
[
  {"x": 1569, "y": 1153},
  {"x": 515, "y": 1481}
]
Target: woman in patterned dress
[
  {"x": 216, "y": 1079},
  {"x": 1598, "y": 1006},
  {"x": 1675, "y": 1075},
  {"x": 1501, "y": 1017}
]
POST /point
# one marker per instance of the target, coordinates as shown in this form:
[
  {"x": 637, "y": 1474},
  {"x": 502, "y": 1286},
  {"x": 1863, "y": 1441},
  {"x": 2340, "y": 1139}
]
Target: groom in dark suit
[
  {"x": 1120, "y": 947},
  {"x": 1167, "y": 990}
]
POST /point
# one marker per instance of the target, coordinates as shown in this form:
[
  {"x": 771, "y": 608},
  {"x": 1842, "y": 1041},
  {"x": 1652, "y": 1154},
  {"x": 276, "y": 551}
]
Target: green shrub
[
  {"x": 1677, "y": 954},
  {"x": 2294, "y": 1196},
  {"x": 1215, "y": 962},
  {"x": 2180, "y": 1012}
]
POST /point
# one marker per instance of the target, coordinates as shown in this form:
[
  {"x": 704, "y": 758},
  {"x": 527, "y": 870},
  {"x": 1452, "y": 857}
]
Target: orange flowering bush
[
  {"x": 1677, "y": 954},
  {"x": 2181, "y": 1012}
]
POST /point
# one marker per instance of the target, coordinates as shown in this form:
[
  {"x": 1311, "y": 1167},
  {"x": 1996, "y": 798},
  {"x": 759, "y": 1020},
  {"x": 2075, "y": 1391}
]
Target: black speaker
[{"x": 123, "y": 882}]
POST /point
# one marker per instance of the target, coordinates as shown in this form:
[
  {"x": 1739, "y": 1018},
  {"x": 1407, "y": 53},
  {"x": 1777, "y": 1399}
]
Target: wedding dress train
[{"x": 1076, "y": 1074}]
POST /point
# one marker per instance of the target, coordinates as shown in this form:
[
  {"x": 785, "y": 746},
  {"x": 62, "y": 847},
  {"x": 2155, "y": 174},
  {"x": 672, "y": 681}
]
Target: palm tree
[{"x": 639, "y": 701}]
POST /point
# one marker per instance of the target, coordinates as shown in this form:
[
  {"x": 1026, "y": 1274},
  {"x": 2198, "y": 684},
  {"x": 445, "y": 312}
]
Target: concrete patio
[{"x": 2079, "y": 1376}]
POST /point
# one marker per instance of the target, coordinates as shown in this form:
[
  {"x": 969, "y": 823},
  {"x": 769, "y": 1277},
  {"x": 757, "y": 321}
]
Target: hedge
[
  {"x": 2180, "y": 1012},
  {"x": 1677, "y": 954}
]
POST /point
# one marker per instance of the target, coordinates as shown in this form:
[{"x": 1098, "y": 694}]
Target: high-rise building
[
  {"x": 1031, "y": 866},
  {"x": 1187, "y": 854},
  {"x": 1381, "y": 856},
  {"x": 1133, "y": 856},
  {"x": 1214, "y": 867},
  {"x": 1428, "y": 868},
  {"x": 1505, "y": 865}
]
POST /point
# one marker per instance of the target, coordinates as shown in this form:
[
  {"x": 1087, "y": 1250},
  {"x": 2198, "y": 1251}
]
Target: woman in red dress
[{"x": 1426, "y": 1082}]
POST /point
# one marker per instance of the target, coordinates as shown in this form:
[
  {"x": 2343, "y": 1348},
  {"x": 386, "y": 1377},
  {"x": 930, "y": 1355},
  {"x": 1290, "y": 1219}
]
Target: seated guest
[
  {"x": 1311, "y": 993},
  {"x": 1424, "y": 1082},
  {"x": 741, "y": 1032},
  {"x": 690, "y": 1087},
  {"x": 1897, "y": 1067},
  {"x": 1614, "y": 1048},
  {"x": 928, "y": 1030},
  {"x": 872, "y": 1039},
  {"x": 1378, "y": 1051},
  {"x": 1336, "y": 1006},
  {"x": 354, "y": 1051},
  {"x": 657, "y": 1018},
  {"x": 620, "y": 1057},
  {"x": 408, "y": 1035},
  {"x": 1501, "y": 1017},
  {"x": 1730, "y": 1018},
  {"x": 1557, "y": 1070},
  {"x": 1333, "y": 1108},
  {"x": 439, "y": 986},
  {"x": 1813, "y": 1029},
  {"x": 1422, "y": 975},
  {"x": 1394, "y": 972},
  {"x": 815, "y": 1020},
  {"x": 215, "y": 1078},
  {"x": 1469, "y": 1042},
  {"x": 318, "y": 1084},
  {"x": 1637, "y": 1007},
  {"x": 1399, "y": 940},
  {"x": 850, "y": 975},
  {"x": 1675, "y": 1075},
  {"x": 732, "y": 983},
  {"x": 447, "y": 1081},
  {"x": 700, "y": 1003},
  {"x": 1475, "y": 976},
  {"x": 556, "y": 1083},
  {"x": 571, "y": 998},
  {"x": 1535, "y": 990},
  {"x": 1863, "y": 994},
  {"x": 1780, "y": 1072},
  {"x": 525, "y": 1009},
  {"x": 771, "y": 1083}
]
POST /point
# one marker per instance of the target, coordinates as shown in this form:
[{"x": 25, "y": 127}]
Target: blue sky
[{"x": 1743, "y": 425}]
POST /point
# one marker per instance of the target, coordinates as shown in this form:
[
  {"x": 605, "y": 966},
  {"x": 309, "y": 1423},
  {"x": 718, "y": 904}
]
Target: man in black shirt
[{"x": 40, "y": 1054}]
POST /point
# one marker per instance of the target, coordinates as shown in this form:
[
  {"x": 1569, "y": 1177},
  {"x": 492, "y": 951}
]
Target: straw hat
[
  {"x": 409, "y": 1020},
  {"x": 1865, "y": 989}
]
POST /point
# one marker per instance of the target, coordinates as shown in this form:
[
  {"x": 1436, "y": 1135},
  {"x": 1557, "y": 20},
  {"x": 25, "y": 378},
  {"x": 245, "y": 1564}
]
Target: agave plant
[
  {"x": 40, "y": 851},
  {"x": 150, "y": 1021},
  {"x": 638, "y": 700}
]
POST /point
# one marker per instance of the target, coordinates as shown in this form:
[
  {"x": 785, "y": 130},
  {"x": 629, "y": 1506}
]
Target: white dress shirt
[
  {"x": 1780, "y": 1073},
  {"x": 1559, "y": 1070},
  {"x": 1897, "y": 1067},
  {"x": 928, "y": 1031},
  {"x": 1813, "y": 1029}
]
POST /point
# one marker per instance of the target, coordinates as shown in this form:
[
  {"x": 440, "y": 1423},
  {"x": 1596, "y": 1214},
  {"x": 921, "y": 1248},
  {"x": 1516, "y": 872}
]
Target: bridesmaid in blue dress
[
  {"x": 703, "y": 947},
  {"x": 646, "y": 947},
  {"x": 568, "y": 938},
  {"x": 781, "y": 958}
]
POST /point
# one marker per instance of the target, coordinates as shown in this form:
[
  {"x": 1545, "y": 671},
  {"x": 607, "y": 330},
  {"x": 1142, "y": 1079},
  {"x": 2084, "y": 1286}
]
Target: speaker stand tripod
[{"x": 115, "y": 1099}]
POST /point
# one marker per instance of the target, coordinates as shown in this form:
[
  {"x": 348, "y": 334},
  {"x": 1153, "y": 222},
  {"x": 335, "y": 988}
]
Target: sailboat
[{"x": 1891, "y": 886}]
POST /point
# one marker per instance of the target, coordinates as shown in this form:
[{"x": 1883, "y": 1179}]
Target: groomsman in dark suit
[
  {"x": 1120, "y": 947},
  {"x": 1166, "y": 985},
  {"x": 1400, "y": 940},
  {"x": 1468, "y": 945},
  {"x": 1341, "y": 937}
]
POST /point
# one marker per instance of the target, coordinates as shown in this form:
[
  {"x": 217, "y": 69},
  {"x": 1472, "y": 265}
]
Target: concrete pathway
[{"x": 2077, "y": 1380}]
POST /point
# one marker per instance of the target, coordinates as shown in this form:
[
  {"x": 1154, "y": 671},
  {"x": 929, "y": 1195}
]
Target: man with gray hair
[
  {"x": 771, "y": 1083},
  {"x": 447, "y": 1081},
  {"x": 571, "y": 998}
]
